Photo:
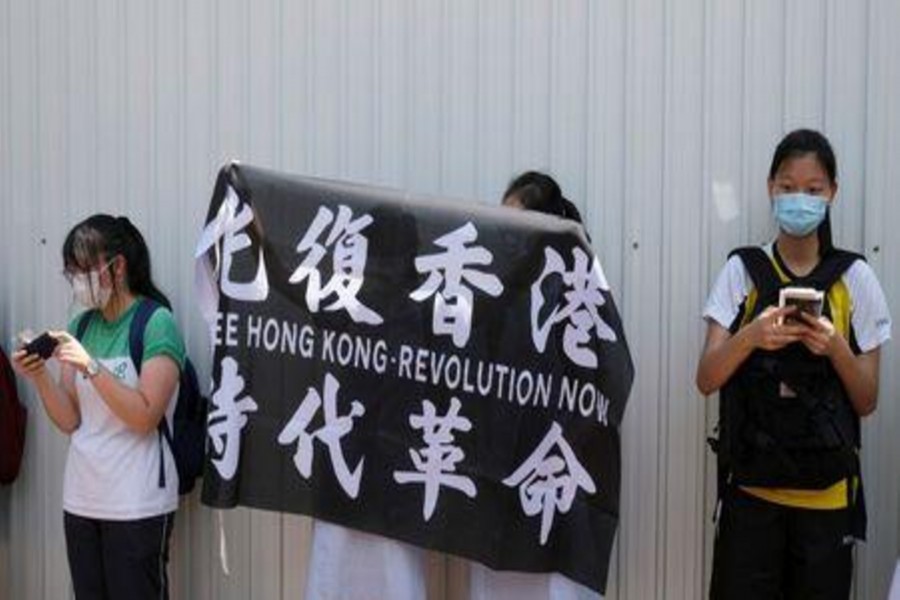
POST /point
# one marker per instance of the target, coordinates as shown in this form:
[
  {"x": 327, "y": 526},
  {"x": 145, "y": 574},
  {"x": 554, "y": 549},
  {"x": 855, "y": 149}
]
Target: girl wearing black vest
[{"x": 793, "y": 386}]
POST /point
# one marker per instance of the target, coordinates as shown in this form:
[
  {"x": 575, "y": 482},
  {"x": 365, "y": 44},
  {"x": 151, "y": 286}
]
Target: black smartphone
[{"x": 43, "y": 345}]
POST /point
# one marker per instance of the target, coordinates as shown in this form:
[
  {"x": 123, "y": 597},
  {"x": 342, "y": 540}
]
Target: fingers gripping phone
[{"x": 43, "y": 345}]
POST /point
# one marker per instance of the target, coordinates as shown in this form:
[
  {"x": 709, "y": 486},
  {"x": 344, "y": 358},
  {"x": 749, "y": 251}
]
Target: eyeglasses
[{"x": 70, "y": 275}]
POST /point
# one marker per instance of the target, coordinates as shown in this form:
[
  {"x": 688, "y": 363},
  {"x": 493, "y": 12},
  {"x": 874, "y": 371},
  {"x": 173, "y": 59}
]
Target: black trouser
[
  {"x": 112, "y": 560},
  {"x": 768, "y": 551}
]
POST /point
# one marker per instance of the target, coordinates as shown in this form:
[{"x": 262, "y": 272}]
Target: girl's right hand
[
  {"x": 30, "y": 366},
  {"x": 772, "y": 332}
]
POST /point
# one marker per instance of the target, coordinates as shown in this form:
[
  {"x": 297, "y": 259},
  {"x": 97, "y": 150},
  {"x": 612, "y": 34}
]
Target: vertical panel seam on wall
[
  {"x": 186, "y": 247},
  {"x": 6, "y": 193},
  {"x": 67, "y": 111},
  {"x": 866, "y": 121},
  {"x": 310, "y": 123},
  {"x": 93, "y": 62},
  {"x": 245, "y": 149},
  {"x": 476, "y": 103},
  {"x": 42, "y": 456},
  {"x": 589, "y": 122},
  {"x": 826, "y": 52},
  {"x": 705, "y": 248},
  {"x": 214, "y": 17},
  {"x": 784, "y": 70},
  {"x": 622, "y": 553},
  {"x": 187, "y": 574},
  {"x": 588, "y": 128},
  {"x": 153, "y": 126},
  {"x": 513, "y": 81},
  {"x": 744, "y": 176},
  {"x": 120, "y": 77},
  {"x": 553, "y": 31},
  {"x": 343, "y": 82},
  {"x": 124, "y": 155},
  {"x": 408, "y": 73},
  {"x": 874, "y": 185},
  {"x": 865, "y": 217},
  {"x": 374, "y": 173},
  {"x": 35, "y": 107},
  {"x": 278, "y": 71},
  {"x": 444, "y": 112},
  {"x": 278, "y": 75},
  {"x": 279, "y": 88},
  {"x": 443, "y": 73},
  {"x": 246, "y": 142},
  {"x": 378, "y": 94},
  {"x": 665, "y": 301},
  {"x": 6, "y": 123},
  {"x": 626, "y": 109}
]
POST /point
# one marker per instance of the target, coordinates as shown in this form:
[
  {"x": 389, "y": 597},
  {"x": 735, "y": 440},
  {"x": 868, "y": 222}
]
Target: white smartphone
[{"x": 807, "y": 300}]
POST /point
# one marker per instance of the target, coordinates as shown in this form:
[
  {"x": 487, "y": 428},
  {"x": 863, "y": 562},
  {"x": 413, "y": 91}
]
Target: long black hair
[
  {"x": 104, "y": 236},
  {"x": 538, "y": 191},
  {"x": 803, "y": 142}
]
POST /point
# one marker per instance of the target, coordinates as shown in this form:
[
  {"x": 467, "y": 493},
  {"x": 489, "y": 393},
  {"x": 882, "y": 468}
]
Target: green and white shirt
[{"x": 112, "y": 472}]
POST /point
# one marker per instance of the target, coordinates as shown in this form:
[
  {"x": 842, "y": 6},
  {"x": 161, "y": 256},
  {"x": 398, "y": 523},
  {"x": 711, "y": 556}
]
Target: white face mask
[{"x": 88, "y": 291}]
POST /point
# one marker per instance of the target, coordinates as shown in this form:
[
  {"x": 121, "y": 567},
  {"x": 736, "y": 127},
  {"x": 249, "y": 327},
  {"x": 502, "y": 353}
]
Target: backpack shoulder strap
[
  {"x": 831, "y": 268},
  {"x": 83, "y": 321},
  {"x": 759, "y": 266},
  {"x": 145, "y": 310},
  {"x": 762, "y": 272}
]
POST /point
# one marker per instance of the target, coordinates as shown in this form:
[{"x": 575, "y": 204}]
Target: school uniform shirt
[
  {"x": 112, "y": 472},
  {"x": 856, "y": 298}
]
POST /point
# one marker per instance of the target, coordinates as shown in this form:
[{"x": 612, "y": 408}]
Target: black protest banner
[{"x": 447, "y": 374}]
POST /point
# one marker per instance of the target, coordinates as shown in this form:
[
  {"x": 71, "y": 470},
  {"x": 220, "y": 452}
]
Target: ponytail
[
  {"x": 826, "y": 245},
  {"x": 570, "y": 211},
  {"x": 540, "y": 192},
  {"x": 137, "y": 256}
]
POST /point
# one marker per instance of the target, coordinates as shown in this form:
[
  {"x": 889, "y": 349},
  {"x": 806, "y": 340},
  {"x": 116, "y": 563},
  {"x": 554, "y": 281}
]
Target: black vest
[{"x": 807, "y": 441}]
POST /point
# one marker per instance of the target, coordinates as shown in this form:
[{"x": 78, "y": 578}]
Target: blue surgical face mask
[{"x": 799, "y": 214}]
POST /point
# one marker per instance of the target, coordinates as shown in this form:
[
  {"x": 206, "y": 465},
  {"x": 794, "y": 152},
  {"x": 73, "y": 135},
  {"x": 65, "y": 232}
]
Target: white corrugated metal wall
[{"x": 658, "y": 117}]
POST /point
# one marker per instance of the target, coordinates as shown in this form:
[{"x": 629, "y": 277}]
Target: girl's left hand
[
  {"x": 70, "y": 351},
  {"x": 820, "y": 335}
]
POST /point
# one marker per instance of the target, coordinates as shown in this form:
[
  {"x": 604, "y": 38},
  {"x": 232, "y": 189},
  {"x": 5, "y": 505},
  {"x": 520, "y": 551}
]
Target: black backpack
[
  {"x": 187, "y": 436},
  {"x": 12, "y": 423}
]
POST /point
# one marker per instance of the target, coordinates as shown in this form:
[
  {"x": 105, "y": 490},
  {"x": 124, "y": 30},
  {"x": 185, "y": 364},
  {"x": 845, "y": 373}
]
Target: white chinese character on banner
[
  {"x": 583, "y": 296},
  {"x": 228, "y": 418},
  {"x": 453, "y": 303},
  {"x": 548, "y": 482},
  {"x": 350, "y": 248},
  {"x": 330, "y": 434},
  {"x": 436, "y": 463},
  {"x": 227, "y": 226}
]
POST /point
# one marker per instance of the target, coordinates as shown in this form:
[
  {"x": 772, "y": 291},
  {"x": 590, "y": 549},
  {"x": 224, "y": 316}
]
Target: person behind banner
[
  {"x": 120, "y": 488},
  {"x": 347, "y": 563},
  {"x": 793, "y": 385},
  {"x": 536, "y": 191}
]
